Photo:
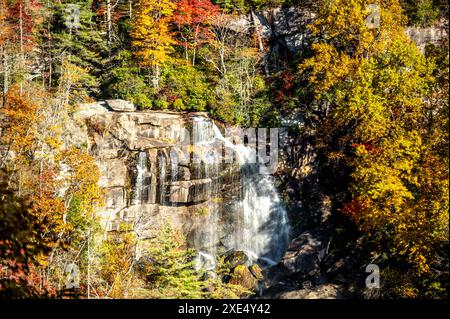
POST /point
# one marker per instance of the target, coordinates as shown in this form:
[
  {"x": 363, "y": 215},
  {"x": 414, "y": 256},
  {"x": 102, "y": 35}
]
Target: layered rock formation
[
  {"x": 147, "y": 166},
  {"x": 167, "y": 166}
]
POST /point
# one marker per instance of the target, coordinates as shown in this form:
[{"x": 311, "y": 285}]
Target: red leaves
[
  {"x": 192, "y": 18},
  {"x": 354, "y": 208},
  {"x": 369, "y": 147},
  {"x": 24, "y": 16},
  {"x": 195, "y": 12},
  {"x": 287, "y": 79},
  {"x": 285, "y": 85}
]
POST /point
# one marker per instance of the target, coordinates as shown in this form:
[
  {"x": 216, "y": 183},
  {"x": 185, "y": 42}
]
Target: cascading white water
[
  {"x": 140, "y": 195},
  {"x": 162, "y": 179},
  {"x": 258, "y": 217},
  {"x": 141, "y": 168},
  {"x": 206, "y": 166},
  {"x": 261, "y": 225},
  {"x": 263, "y": 230}
]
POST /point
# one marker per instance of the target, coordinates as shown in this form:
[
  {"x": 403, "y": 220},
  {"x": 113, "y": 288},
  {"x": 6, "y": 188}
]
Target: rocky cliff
[
  {"x": 166, "y": 166},
  {"x": 146, "y": 166}
]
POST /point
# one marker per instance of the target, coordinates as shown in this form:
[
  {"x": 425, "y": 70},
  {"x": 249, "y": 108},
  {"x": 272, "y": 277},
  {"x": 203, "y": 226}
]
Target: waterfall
[
  {"x": 253, "y": 220},
  {"x": 140, "y": 195},
  {"x": 259, "y": 218},
  {"x": 162, "y": 179},
  {"x": 263, "y": 230},
  {"x": 206, "y": 166},
  {"x": 140, "y": 187}
]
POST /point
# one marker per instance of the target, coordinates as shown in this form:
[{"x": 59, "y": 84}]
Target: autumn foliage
[{"x": 378, "y": 85}]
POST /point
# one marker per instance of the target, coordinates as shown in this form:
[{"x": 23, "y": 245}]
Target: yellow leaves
[
  {"x": 82, "y": 178},
  {"x": 150, "y": 35},
  {"x": 327, "y": 68},
  {"x": 343, "y": 21},
  {"x": 72, "y": 73}
]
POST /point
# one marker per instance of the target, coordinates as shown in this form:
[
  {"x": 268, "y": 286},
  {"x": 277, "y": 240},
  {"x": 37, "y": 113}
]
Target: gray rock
[
  {"x": 325, "y": 291},
  {"x": 121, "y": 105},
  {"x": 305, "y": 253},
  {"x": 236, "y": 258}
]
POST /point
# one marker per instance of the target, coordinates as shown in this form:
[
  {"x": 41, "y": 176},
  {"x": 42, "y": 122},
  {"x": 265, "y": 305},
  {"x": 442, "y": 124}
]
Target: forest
[{"x": 374, "y": 107}]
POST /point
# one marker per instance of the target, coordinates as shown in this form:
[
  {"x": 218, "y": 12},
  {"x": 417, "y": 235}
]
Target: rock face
[
  {"x": 121, "y": 105},
  {"x": 306, "y": 252},
  {"x": 285, "y": 28},
  {"x": 147, "y": 167},
  {"x": 160, "y": 167},
  {"x": 325, "y": 291}
]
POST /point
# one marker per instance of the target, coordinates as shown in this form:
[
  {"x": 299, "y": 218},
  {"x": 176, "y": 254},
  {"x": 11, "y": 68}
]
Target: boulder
[
  {"x": 305, "y": 253},
  {"x": 256, "y": 271},
  {"x": 236, "y": 258},
  {"x": 242, "y": 276},
  {"x": 121, "y": 105},
  {"x": 87, "y": 110},
  {"x": 325, "y": 291}
]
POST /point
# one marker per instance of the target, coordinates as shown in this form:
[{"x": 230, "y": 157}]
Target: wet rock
[
  {"x": 256, "y": 272},
  {"x": 117, "y": 134},
  {"x": 236, "y": 258},
  {"x": 242, "y": 276}
]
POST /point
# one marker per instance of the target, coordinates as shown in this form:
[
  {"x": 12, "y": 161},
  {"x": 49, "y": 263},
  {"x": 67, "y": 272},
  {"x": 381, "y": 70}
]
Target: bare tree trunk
[
  {"x": 50, "y": 64},
  {"x": 5, "y": 72},
  {"x": 108, "y": 21},
  {"x": 157, "y": 76},
  {"x": 89, "y": 264},
  {"x": 21, "y": 46},
  {"x": 3, "y": 52},
  {"x": 130, "y": 8},
  {"x": 195, "y": 45},
  {"x": 222, "y": 60}
]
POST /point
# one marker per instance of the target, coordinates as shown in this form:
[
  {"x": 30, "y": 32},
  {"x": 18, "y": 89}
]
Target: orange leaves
[
  {"x": 20, "y": 121},
  {"x": 49, "y": 211},
  {"x": 195, "y": 12},
  {"x": 370, "y": 148},
  {"x": 355, "y": 207},
  {"x": 5, "y": 27},
  {"x": 26, "y": 17}
]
